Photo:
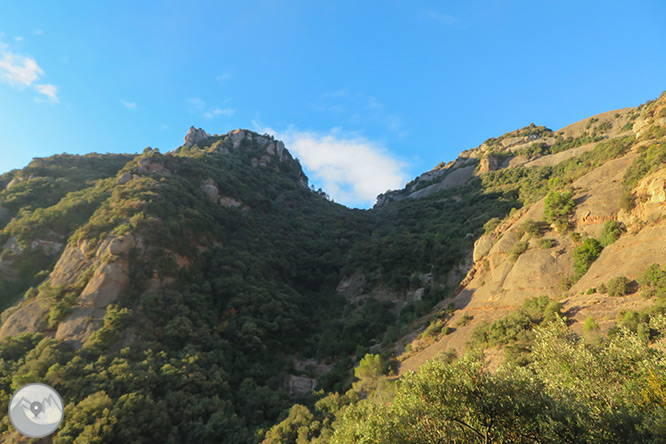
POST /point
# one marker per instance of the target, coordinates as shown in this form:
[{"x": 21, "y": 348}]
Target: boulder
[
  {"x": 209, "y": 187},
  {"x": 194, "y": 136},
  {"x": 230, "y": 202},
  {"x": 124, "y": 178}
]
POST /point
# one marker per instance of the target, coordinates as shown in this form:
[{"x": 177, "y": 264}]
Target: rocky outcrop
[
  {"x": 650, "y": 199},
  {"x": 18, "y": 179},
  {"x": 123, "y": 179},
  {"x": 108, "y": 282},
  {"x": 482, "y": 246},
  {"x": 29, "y": 317},
  {"x": 457, "y": 174},
  {"x": 236, "y": 137},
  {"x": 209, "y": 187},
  {"x": 148, "y": 166},
  {"x": 230, "y": 202},
  {"x": 489, "y": 163},
  {"x": 195, "y": 136},
  {"x": 300, "y": 385},
  {"x": 110, "y": 278}
]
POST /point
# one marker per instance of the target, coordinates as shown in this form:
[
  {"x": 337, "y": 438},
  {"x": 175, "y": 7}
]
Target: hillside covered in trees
[{"x": 208, "y": 294}]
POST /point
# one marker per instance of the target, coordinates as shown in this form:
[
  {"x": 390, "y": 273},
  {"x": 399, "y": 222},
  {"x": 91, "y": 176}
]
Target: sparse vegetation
[
  {"x": 619, "y": 286},
  {"x": 490, "y": 226},
  {"x": 559, "y": 206},
  {"x": 584, "y": 255},
  {"x": 611, "y": 232},
  {"x": 545, "y": 244},
  {"x": 518, "y": 248}
]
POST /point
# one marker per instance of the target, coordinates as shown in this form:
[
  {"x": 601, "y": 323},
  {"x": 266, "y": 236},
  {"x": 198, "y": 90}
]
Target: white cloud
[
  {"x": 50, "y": 91},
  {"x": 374, "y": 104},
  {"x": 128, "y": 105},
  {"x": 358, "y": 109},
  {"x": 222, "y": 78},
  {"x": 197, "y": 106},
  {"x": 39, "y": 32},
  {"x": 21, "y": 71},
  {"x": 439, "y": 17},
  {"x": 351, "y": 169},
  {"x": 18, "y": 38},
  {"x": 226, "y": 112},
  {"x": 18, "y": 70}
]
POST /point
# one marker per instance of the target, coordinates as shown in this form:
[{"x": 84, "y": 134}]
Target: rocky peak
[{"x": 194, "y": 136}]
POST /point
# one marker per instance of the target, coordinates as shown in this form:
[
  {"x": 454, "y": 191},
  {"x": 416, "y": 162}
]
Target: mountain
[{"x": 203, "y": 294}]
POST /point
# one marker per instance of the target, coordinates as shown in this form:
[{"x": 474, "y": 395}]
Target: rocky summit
[{"x": 208, "y": 294}]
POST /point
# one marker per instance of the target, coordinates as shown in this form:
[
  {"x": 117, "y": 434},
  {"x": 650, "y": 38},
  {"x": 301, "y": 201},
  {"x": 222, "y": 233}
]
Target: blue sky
[{"x": 368, "y": 94}]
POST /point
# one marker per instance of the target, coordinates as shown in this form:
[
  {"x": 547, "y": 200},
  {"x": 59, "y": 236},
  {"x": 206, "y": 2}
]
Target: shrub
[
  {"x": 545, "y": 244},
  {"x": 619, "y": 286},
  {"x": 463, "y": 321},
  {"x": 591, "y": 291},
  {"x": 585, "y": 255},
  {"x": 654, "y": 281},
  {"x": 627, "y": 201},
  {"x": 533, "y": 228},
  {"x": 558, "y": 207},
  {"x": 518, "y": 249},
  {"x": 489, "y": 226},
  {"x": 610, "y": 233},
  {"x": 592, "y": 332}
]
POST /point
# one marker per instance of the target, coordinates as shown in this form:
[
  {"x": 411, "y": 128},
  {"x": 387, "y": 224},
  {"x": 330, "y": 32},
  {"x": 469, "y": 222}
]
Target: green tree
[
  {"x": 611, "y": 232},
  {"x": 558, "y": 208},
  {"x": 584, "y": 255}
]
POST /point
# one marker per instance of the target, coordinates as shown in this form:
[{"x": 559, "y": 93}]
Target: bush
[
  {"x": 545, "y": 244},
  {"x": 463, "y": 321},
  {"x": 611, "y": 232},
  {"x": 558, "y": 207},
  {"x": 489, "y": 226},
  {"x": 619, "y": 286},
  {"x": 533, "y": 228},
  {"x": 627, "y": 201},
  {"x": 592, "y": 332},
  {"x": 654, "y": 281},
  {"x": 585, "y": 255},
  {"x": 518, "y": 249}
]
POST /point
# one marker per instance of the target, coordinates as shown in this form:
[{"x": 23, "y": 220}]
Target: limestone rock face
[
  {"x": 108, "y": 282},
  {"x": 230, "y": 202},
  {"x": 650, "y": 199},
  {"x": 110, "y": 278},
  {"x": 482, "y": 246},
  {"x": 124, "y": 178},
  {"x": 236, "y": 137},
  {"x": 210, "y": 189},
  {"x": 194, "y": 136},
  {"x": 17, "y": 180},
  {"x": 147, "y": 166},
  {"x": 28, "y": 318},
  {"x": 300, "y": 385},
  {"x": 489, "y": 163}
]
